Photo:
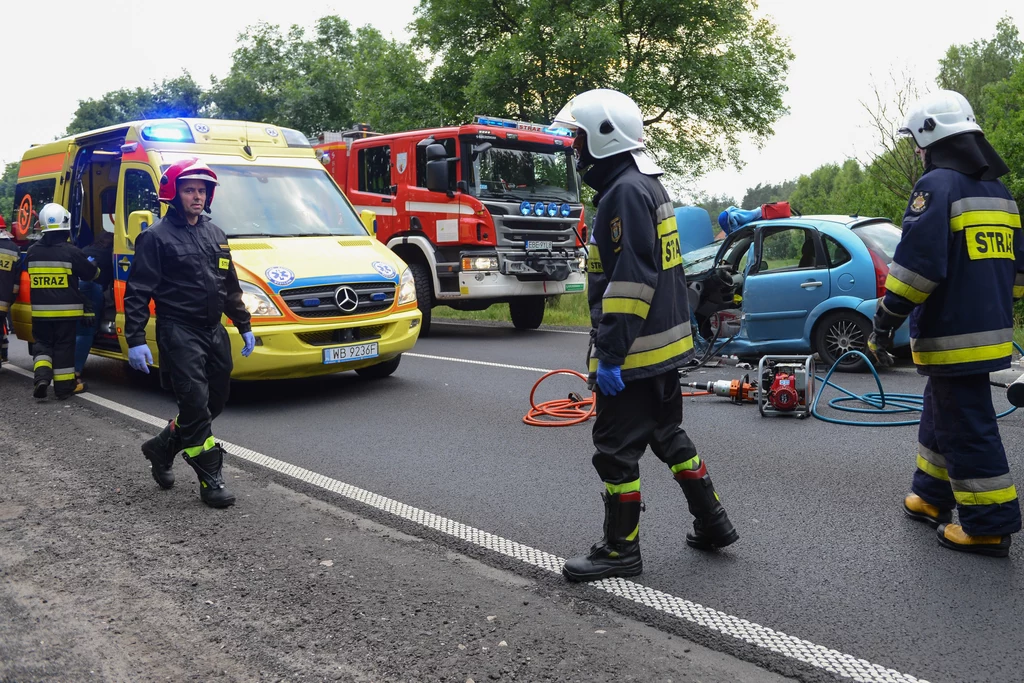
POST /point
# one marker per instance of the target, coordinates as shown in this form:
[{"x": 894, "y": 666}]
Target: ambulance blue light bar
[
  {"x": 170, "y": 131},
  {"x": 520, "y": 125}
]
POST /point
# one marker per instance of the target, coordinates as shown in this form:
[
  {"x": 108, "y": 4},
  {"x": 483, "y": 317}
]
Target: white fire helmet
[
  {"x": 53, "y": 217},
  {"x": 937, "y": 116},
  {"x": 613, "y": 123}
]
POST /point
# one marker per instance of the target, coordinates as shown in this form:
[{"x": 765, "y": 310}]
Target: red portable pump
[{"x": 787, "y": 385}]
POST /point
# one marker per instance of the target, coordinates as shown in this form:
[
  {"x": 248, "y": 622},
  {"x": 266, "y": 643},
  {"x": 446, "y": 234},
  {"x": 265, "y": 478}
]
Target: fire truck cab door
[
  {"x": 434, "y": 213},
  {"x": 372, "y": 186}
]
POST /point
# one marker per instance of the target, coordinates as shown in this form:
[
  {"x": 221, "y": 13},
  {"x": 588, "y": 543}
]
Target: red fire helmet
[{"x": 187, "y": 169}]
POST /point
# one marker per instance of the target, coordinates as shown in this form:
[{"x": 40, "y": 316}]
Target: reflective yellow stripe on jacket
[
  {"x": 962, "y": 348},
  {"x": 657, "y": 348},
  {"x": 908, "y": 284},
  {"x": 628, "y": 297}
]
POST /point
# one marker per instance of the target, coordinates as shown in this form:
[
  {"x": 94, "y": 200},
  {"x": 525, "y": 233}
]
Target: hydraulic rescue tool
[
  {"x": 737, "y": 390},
  {"x": 787, "y": 385}
]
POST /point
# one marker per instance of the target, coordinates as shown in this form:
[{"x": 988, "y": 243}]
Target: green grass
[{"x": 568, "y": 310}]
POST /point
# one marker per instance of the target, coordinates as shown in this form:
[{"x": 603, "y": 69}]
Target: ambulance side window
[
  {"x": 29, "y": 198},
  {"x": 421, "y": 163},
  {"x": 375, "y": 169},
  {"x": 139, "y": 193}
]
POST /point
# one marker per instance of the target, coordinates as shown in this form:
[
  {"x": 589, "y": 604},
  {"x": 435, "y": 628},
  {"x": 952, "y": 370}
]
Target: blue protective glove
[
  {"x": 139, "y": 356},
  {"x": 250, "y": 343},
  {"x": 609, "y": 378}
]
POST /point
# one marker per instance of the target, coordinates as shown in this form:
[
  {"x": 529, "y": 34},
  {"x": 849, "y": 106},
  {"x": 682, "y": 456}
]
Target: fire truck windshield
[
  {"x": 524, "y": 173},
  {"x": 265, "y": 201}
]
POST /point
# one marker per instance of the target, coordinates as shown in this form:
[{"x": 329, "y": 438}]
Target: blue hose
[{"x": 880, "y": 403}]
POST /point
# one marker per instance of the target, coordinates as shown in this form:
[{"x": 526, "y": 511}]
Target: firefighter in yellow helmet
[
  {"x": 54, "y": 268},
  {"x": 641, "y": 335}
]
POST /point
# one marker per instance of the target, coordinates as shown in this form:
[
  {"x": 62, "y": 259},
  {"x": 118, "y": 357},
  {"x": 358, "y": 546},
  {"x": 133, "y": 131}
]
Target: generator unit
[{"x": 786, "y": 385}]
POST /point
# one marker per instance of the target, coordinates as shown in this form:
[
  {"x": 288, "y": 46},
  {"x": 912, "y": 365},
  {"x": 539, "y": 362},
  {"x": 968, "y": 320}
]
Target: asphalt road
[{"x": 824, "y": 554}]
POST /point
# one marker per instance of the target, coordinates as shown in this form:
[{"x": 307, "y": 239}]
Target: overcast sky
[{"x": 55, "y": 57}]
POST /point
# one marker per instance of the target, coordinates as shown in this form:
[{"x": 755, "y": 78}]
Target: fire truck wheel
[
  {"x": 527, "y": 312},
  {"x": 839, "y": 332},
  {"x": 424, "y": 295},
  {"x": 380, "y": 370}
]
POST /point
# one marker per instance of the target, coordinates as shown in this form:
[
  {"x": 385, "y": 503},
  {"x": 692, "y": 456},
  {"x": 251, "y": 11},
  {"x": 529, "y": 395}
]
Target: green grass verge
[{"x": 568, "y": 310}]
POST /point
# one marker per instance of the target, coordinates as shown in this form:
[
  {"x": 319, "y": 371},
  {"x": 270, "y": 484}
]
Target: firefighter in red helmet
[{"x": 183, "y": 263}]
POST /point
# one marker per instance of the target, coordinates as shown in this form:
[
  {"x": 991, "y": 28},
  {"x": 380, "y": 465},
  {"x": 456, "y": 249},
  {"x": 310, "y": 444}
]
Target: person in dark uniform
[
  {"x": 183, "y": 263},
  {"x": 54, "y": 268},
  {"x": 10, "y": 268},
  {"x": 100, "y": 252},
  {"x": 641, "y": 335},
  {"x": 956, "y": 272}
]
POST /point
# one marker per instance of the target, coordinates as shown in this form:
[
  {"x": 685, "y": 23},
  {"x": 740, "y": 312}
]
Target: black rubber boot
[
  {"x": 618, "y": 554},
  {"x": 160, "y": 451},
  {"x": 40, "y": 389},
  {"x": 211, "y": 484},
  {"x": 711, "y": 525}
]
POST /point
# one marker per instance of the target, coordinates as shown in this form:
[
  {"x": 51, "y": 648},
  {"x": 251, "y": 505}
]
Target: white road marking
[
  {"x": 477, "y": 362},
  {"x": 469, "y": 323},
  {"x": 801, "y": 650}
]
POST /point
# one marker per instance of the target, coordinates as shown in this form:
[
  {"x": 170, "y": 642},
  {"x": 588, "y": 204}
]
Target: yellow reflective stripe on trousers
[
  {"x": 626, "y": 306},
  {"x": 984, "y": 491},
  {"x": 691, "y": 464},
  {"x": 63, "y": 374},
  {"x": 930, "y": 469},
  {"x": 193, "y": 451},
  {"x": 628, "y": 487},
  {"x": 42, "y": 363}
]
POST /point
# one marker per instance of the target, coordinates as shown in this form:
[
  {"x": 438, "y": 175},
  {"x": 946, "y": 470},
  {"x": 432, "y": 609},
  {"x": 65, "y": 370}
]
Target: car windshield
[
  {"x": 524, "y": 173},
  {"x": 263, "y": 201},
  {"x": 699, "y": 260},
  {"x": 881, "y": 238}
]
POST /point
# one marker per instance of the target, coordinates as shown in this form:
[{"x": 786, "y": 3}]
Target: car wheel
[
  {"x": 527, "y": 312},
  {"x": 424, "y": 295},
  {"x": 839, "y": 332},
  {"x": 380, "y": 370}
]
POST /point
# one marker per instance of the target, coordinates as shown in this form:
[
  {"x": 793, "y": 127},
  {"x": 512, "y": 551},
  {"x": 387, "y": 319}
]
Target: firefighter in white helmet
[
  {"x": 640, "y": 338},
  {"x": 54, "y": 268},
  {"x": 956, "y": 272}
]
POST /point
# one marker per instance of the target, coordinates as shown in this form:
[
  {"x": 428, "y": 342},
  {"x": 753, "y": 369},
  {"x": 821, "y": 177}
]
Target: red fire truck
[{"x": 483, "y": 213}]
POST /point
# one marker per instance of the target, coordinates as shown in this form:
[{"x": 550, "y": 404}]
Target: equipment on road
[
  {"x": 736, "y": 390},
  {"x": 1015, "y": 392},
  {"x": 787, "y": 385}
]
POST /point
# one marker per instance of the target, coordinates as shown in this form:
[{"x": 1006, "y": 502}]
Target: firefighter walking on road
[
  {"x": 54, "y": 268},
  {"x": 957, "y": 270},
  {"x": 641, "y": 335},
  {"x": 183, "y": 263},
  {"x": 10, "y": 268}
]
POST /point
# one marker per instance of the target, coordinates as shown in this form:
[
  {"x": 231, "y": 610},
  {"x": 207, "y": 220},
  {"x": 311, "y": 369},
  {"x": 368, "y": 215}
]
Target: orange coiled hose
[{"x": 565, "y": 412}]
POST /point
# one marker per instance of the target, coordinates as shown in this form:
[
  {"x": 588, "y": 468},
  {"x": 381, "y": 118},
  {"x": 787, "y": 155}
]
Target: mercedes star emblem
[{"x": 346, "y": 298}]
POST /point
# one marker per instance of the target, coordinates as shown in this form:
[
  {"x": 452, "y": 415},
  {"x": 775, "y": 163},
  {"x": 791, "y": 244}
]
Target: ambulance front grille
[
  {"x": 320, "y": 301},
  {"x": 342, "y": 335}
]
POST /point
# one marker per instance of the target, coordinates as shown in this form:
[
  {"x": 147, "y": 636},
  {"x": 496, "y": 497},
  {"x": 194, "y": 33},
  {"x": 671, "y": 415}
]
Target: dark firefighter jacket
[
  {"x": 9, "y": 272},
  {"x": 637, "y": 290},
  {"x": 957, "y": 270},
  {"x": 54, "y": 268},
  {"x": 187, "y": 270}
]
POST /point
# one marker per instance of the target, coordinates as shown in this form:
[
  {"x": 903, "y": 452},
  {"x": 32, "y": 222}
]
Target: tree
[
  {"x": 174, "y": 97},
  {"x": 968, "y": 69},
  {"x": 766, "y": 194},
  {"x": 702, "y": 72},
  {"x": 894, "y": 164},
  {"x": 1004, "y": 104},
  {"x": 328, "y": 81},
  {"x": 7, "y": 183}
]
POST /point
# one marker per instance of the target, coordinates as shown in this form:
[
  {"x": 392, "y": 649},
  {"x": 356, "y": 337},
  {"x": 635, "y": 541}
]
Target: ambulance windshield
[
  {"x": 263, "y": 201},
  {"x": 528, "y": 172}
]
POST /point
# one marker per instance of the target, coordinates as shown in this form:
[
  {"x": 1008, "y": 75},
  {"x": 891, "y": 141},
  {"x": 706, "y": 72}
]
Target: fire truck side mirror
[{"x": 437, "y": 168}]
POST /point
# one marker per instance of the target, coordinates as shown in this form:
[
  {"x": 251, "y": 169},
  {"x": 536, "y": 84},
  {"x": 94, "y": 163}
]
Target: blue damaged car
[{"x": 795, "y": 285}]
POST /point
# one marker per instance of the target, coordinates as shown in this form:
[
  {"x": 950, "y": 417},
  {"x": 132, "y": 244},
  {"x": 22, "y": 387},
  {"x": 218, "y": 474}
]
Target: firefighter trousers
[
  {"x": 198, "y": 363},
  {"x": 54, "y": 353},
  {"x": 960, "y": 458},
  {"x": 648, "y": 412}
]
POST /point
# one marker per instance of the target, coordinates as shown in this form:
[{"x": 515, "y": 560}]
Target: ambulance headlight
[
  {"x": 257, "y": 302},
  {"x": 406, "y": 288}
]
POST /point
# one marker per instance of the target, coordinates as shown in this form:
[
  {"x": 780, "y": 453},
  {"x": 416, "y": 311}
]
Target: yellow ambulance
[{"x": 324, "y": 294}]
